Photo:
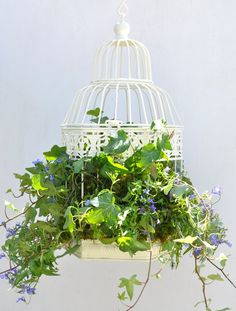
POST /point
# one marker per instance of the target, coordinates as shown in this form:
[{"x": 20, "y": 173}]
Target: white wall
[{"x": 46, "y": 50}]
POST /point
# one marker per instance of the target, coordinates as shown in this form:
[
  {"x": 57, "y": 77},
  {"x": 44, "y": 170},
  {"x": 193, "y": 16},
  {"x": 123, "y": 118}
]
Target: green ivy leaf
[
  {"x": 129, "y": 284},
  {"x": 104, "y": 200},
  {"x": 10, "y": 206},
  {"x": 223, "y": 260},
  {"x": 187, "y": 240},
  {"x": 69, "y": 223},
  {"x": 112, "y": 168},
  {"x": 78, "y": 165},
  {"x": 168, "y": 187},
  {"x": 122, "y": 296},
  {"x": 128, "y": 244},
  {"x": 36, "y": 183},
  {"x": 95, "y": 217},
  {"x": 95, "y": 112},
  {"x": 149, "y": 154},
  {"x": 45, "y": 226},
  {"x": 164, "y": 143},
  {"x": 215, "y": 277},
  {"x": 55, "y": 153},
  {"x": 30, "y": 215},
  {"x": 119, "y": 144},
  {"x": 179, "y": 190}
]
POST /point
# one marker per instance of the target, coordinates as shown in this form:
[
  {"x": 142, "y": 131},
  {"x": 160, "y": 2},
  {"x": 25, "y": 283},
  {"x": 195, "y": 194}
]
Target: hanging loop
[{"x": 123, "y": 10}]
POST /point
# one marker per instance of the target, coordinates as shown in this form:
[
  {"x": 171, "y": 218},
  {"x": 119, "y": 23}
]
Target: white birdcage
[
  {"x": 123, "y": 90},
  {"x": 125, "y": 97}
]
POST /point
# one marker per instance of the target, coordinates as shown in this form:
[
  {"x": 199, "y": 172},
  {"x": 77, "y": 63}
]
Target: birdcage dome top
[{"x": 122, "y": 58}]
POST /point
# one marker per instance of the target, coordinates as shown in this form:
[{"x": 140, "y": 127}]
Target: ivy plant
[{"x": 132, "y": 202}]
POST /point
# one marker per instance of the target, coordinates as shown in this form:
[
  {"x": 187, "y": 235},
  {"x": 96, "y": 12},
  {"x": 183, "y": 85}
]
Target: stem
[
  {"x": 9, "y": 270},
  {"x": 3, "y": 224},
  {"x": 203, "y": 284},
  {"x": 144, "y": 284},
  {"x": 222, "y": 271}
]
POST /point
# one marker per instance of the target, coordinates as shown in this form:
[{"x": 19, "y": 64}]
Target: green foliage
[
  {"x": 119, "y": 144},
  {"x": 129, "y": 284},
  {"x": 133, "y": 202}
]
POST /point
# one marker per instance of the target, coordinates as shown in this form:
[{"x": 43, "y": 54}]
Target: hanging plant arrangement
[{"x": 133, "y": 204}]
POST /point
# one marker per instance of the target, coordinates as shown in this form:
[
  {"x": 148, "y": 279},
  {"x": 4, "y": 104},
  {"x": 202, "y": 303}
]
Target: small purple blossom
[
  {"x": 27, "y": 290},
  {"x": 10, "y": 232},
  {"x": 18, "y": 226},
  {"x": 146, "y": 191},
  {"x": 167, "y": 170},
  {"x": 38, "y": 161},
  {"x": 87, "y": 203},
  {"x": 217, "y": 191},
  {"x": 142, "y": 210},
  {"x": 14, "y": 271},
  {"x": 197, "y": 251},
  {"x": 47, "y": 169},
  {"x": 145, "y": 232},
  {"x": 52, "y": 178},
  {"x": 2, "y": 255},
  {"x": 229, "y": 244},
  {"x": 192, "y": 196},
  {"x": 153, "y": 208},
  {"x": 4, "y": 276},
  {"x": 150, "y": 200},
  {"x": 21, "y": 299},
  {"x": 177, "y": 181},
  {"x": 215, "y": 239},
  {"x": 58, "y": 160}
]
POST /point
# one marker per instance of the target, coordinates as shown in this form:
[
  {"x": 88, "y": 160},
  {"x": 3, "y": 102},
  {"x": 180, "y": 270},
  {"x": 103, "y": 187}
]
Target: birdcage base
[{"x": 94, "y": 249}]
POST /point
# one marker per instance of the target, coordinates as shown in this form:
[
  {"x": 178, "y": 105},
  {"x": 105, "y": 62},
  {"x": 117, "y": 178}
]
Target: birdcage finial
[
  {"x": 122, "y": 28},
  {"x": 123, "y": 10}
]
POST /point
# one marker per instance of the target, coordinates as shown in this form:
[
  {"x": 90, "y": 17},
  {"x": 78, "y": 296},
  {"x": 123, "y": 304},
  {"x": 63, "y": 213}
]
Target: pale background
[{"x": 46, "y": 52}]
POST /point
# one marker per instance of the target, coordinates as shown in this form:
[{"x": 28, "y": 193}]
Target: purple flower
[
  {"x": 52, "y": 178},
  {"x": 167, "y": 170},
  {"x": 2, "y": 255},
  {"x": 142, "y": 210},
  {"x": 144, "y": 232},
  {"x": 10, "y": 232},
  {"x": 146, "y": 191},
  {"x": 27, "y": 290},
  {"x": 215, "y": 239},
  {"x": 217, "y": 191},
  {"x": 58, "y": 160},
  {"x": 87, "y": 203},
  {"x": 18, "y": 226},
  {"x": 21, "y": 299},
  {"x": 229, "y": 244},
  {"x": 31, "y": 290},
  {"x": 197, "y": 251},
  {"x": 4, "y": 276},
  {"x": 153, "y": 208},
  {"x": 177, "y": 181},
  {"x": 192, "y": 196},
  {"x": 14, "y": 271},
  {"x": 47, "y": 169},
  {"x": 150, "y": 200},
  {"x": 38, "y": 161}
]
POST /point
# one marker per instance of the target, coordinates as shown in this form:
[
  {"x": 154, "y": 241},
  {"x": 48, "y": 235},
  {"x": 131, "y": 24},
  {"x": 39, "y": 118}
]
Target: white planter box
[{"x": 94, "y": 249}]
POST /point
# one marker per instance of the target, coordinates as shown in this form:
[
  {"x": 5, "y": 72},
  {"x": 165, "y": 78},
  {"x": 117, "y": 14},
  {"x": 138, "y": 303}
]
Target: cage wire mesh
[{"x": 123, "y": 90}]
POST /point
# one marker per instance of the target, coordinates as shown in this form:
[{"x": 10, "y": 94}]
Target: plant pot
[{"x": 94, "y": 249}]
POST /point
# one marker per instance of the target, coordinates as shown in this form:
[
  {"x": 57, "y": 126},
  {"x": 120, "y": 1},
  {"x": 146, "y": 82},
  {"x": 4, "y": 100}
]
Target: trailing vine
[{"x": 133, "y": 202}]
